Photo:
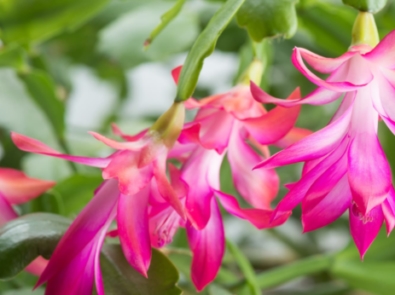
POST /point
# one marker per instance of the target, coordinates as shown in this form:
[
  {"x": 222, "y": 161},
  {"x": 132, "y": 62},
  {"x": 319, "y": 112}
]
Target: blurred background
[{"x": 69, "y": 66}]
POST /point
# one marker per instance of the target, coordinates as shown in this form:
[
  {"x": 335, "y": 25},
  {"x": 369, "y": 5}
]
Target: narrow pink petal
[
  {"x": 208, "y": 247},
  {"x": 313, "y": 146},
  {"x": 364, "y": 229},
  {"x": 7, "y": 213},
  {"x": 261, "y": 128},
  {"x": 37, "y": 266},
  {"x": 175, "y": 73},
  {"x": 201, "y": 174},
  {"x": 389, "y": 211},
  {"x": 384, "y": 53},
  {"x": 293, "y": 136},
  {"x": 31, "y": 145},
  {"x": 329, "y": 208},
  {"x": 258, "y": 187},
  {"x": 128, "y": 145},
  {"x": 117, "y": 131},
  {"x": 323, "y": 64},
  {"x": 261, "y": 218},
  {"x": 368, "y": 172},
  {"x": 342, "y": 86},
  {"x": 18, "y": 188},
  {"x": 92, "y": 219},
  {"x": 133, "y": 230}
]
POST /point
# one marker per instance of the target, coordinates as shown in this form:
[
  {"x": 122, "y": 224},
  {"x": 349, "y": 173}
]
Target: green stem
[{"x": 283, "y": 274}]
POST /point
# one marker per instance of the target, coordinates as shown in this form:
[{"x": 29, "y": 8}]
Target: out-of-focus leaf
[
  {"x": 121, "y": 279},
  {"x": 166, "y": 18},
  {"x": 76, "y": 191},
  {"x": 27, "y": 237},
  {"x": 203, "y": 47},
  {"x": 119, "y": 41},
  {"x": 245, "y": 267},
  {"x": 43, "y": 92},
  {"x": 12, "y": 57},
  {"x": 214, "y": 289},
  {"x": 269, "y": 18},
  {"x": 26, "y": 21},
  {"x": 25, "y": 291},
  {"x": 48, "y": 202},
  {"x": 372, "y": 6},
  {"x": 374, "y": 277}
]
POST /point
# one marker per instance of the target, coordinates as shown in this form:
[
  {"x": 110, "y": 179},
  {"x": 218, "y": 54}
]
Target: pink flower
[
  {"x": 16, "y": 188},
  {"x": 345, "y": 166},
  {"x": 124, "y": 195}
]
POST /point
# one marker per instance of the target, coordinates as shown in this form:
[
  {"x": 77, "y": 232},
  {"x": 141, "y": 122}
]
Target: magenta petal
[
  {"x": 31, "y": 145},
  {"x": 389, "y": 211},
  {"x": 258, "y": 187},
  {"x": 208, "y": 246},
  {"x": 117, "y": 131},
  {"x": 384, "y": 53},
  {"x": 328, "y": 84},
  {"x": 175, "y": 73},
  {"x": 261, "y": 218},
  {"x": 329, "y": 208},
  {"x": 364, "y": 229},
  {"x": 368, "y": 172},
  {"x": 6, "y": 211},
  {"x": 313, "y": 146},
  {"x": 133, "y": 230},
  {"x": 323, "y": 64},
  {"x": 92, "y": 219}
]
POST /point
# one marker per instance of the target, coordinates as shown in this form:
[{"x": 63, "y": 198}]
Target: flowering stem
[{"x": 283, "y": 274}]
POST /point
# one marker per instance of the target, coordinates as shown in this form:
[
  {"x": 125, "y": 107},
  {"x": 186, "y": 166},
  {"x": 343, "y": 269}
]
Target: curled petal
[
  {"x": 389, "y": 211},
  {"x": 18, "y": 188},
  {"x": 208, "y": 246},
  {"x": 384, "y": 53},
  {"x": 133, "y": 229},
  {"x": 364, "y": 228},
  {"x": 117, "y": 131},
  {"x": 313, "y": 146},
  {"x": 275, "y": 124},
  {"x": 31, "y": 145},
  {"x": 129, "y": 145}
]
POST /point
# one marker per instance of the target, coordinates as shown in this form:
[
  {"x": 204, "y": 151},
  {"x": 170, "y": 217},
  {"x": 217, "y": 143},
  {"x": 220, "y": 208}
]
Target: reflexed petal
[
  {"x": 117, "y": 131},
  {"x": 389, "y": 211},
  {"x": 328, "y": 208},
  {"x": 99, "y": 212},
  {"x": 275, "y": 124},
  {"x": 128, "y": 145},
  {"x": 18, "y": 188},
  {"x": 384, "y": 53},
  {"x": 364, "y": 229},
  {"x": 201, "y": 173},
  {"x": 323, "y": 64},
  {"x": 368, "y": 172},
  {"x": 133, "y": 230},
  {"x": 294, "y": 135},
  {"x": 261, "y": 218},
  {"x": 342, "y": 86},
  {"x": 313, "y": 146},
  {"x": 7, "y": 213},
  {"x": 258, "y": 187},
  {"x": 31, "y": 145},
  {"x": 208, "y": 246}
]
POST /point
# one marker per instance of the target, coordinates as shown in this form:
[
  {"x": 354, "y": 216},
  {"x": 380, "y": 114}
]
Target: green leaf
[
  {"x": 214, "y": 289},
  {"x": 76, "y": 191},
  {"x": 245, "y": 267},
  {"x": 119, "y": 42},
  {"x": 12, "y": 56},
  {"x": 42, "y": 90},
  {"x": 372, "y": 6},
  {"x": 203, "y": 47},
  {"x": 36, "y": 20},
  {"x": 374, "y": 277},
  {"x": 166, "y": 18},
  {"x": 269, "y": 18},
  {"x": 121, "y": 279},
  {"x": 25, "y": 238}
]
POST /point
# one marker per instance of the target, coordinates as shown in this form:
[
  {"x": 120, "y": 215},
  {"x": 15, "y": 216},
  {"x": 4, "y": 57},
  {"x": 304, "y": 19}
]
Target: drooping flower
[
  {"x": 124, "y": 195},
  {"x": 345, "y": 166},
  {"x": 16, "y": 188},
  {"x": 226, "y": 123}
]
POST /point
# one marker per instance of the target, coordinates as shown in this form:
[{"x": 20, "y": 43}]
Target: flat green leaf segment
[
  {"x": 203, "y": 47},
  {"x": 166, "y": 18},
  {"x": 372, "y": 6},
  {"x": 268, "y": 18},
  {"x": 121, "y": 279},
  {"x": 27, "y": 21},
  {"x": 27, "y": 237}
]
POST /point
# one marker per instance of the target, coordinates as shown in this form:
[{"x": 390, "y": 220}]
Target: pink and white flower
[{"x": 345, "y": 166}]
